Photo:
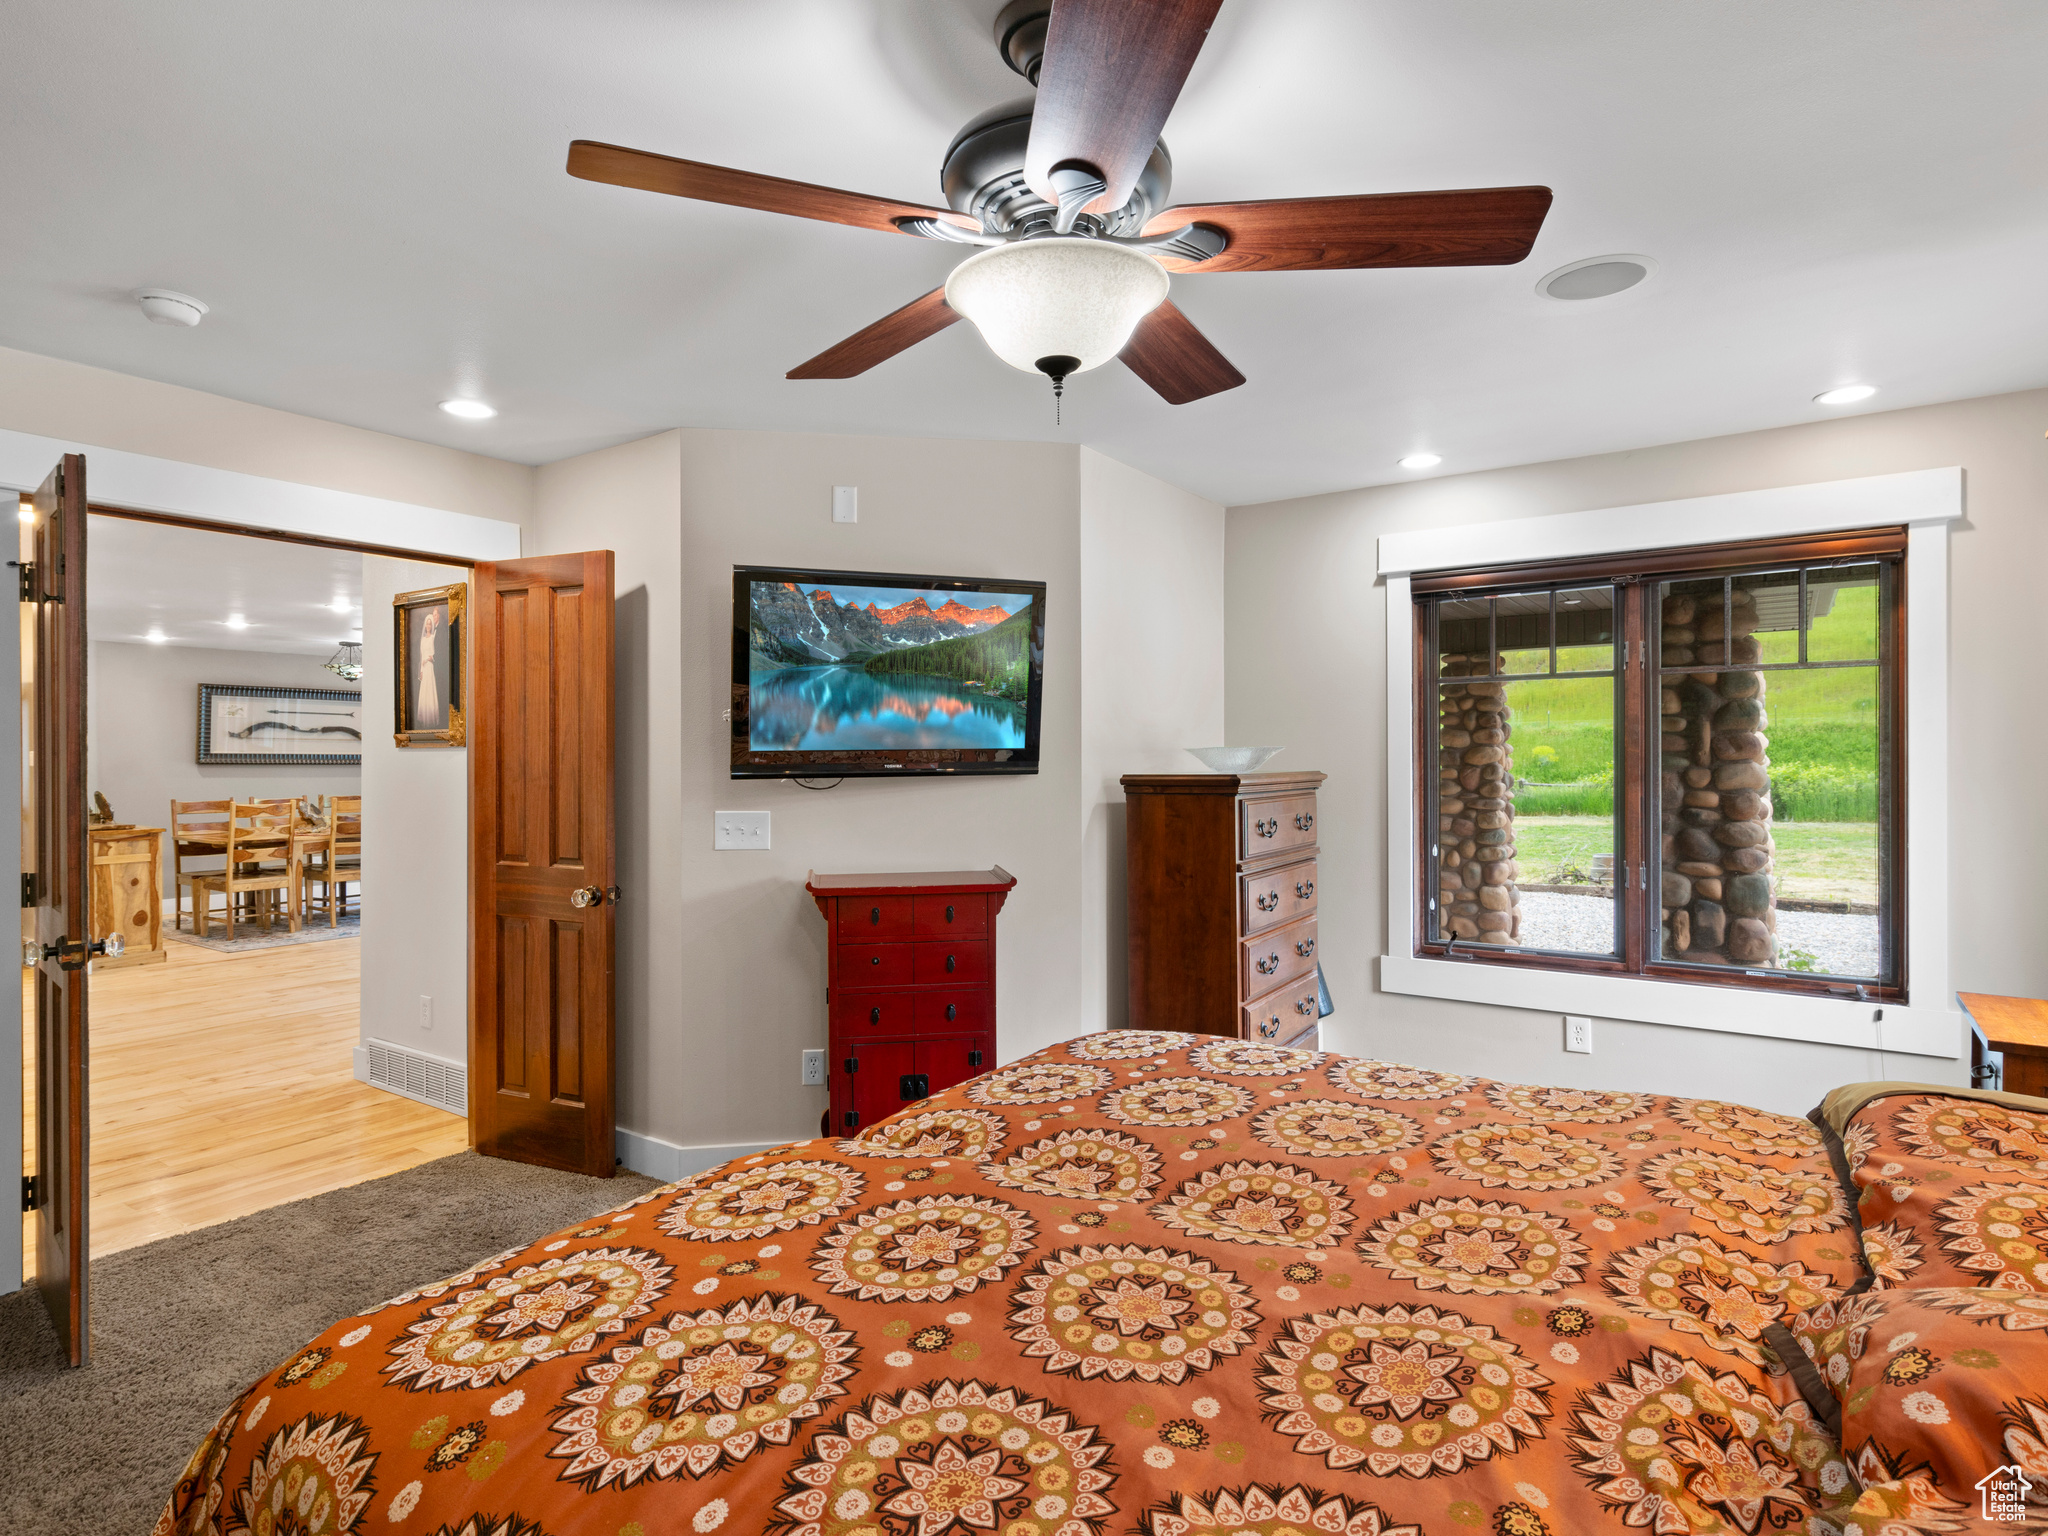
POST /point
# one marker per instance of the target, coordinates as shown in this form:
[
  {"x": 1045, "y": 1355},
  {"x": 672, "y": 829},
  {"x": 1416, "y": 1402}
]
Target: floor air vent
[{"x": 426, "y": 1078}]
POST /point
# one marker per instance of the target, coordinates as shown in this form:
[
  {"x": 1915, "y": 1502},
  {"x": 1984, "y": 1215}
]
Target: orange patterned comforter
[{"x": 1138, "y": 1283}]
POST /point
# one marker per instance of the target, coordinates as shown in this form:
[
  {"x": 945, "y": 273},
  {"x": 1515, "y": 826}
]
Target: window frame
[
  {"x": 1926, "y": 501},
  {"x": 1638, "y": 681}
]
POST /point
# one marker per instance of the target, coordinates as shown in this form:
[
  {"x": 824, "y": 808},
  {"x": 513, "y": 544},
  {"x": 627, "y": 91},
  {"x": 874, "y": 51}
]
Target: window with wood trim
[{"x": 1684, "y": 765}]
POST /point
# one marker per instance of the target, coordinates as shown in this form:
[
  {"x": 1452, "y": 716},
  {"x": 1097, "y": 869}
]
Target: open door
[
  {"x": 55, "y": 582},
  {"x": 541, "y": 886}
]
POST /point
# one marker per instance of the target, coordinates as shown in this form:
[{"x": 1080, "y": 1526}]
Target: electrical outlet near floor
[
  {"x": 814, "y": 1069},
  {"x": 739, "y": 829},
  {"x": 1578, "y": 1034}
]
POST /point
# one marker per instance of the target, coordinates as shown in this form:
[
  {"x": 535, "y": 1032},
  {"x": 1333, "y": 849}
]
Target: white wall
[
  {"x": 143, "y": 704},
  {"x": 722, "y": 955},
  {"x": 1317, "y": 682},
  {"x": 1151, "y": 683},
  {"x": 415, "y": 848}
]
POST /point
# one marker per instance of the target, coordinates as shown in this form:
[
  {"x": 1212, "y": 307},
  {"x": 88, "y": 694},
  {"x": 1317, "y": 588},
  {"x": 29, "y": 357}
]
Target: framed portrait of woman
[{"x": 433, "y": 642}]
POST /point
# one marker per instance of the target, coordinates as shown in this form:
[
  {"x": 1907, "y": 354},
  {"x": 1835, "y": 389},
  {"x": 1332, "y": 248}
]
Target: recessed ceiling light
[
  {"x": 469, "y": 410},
  {"x": 155, "y": 637},
  {"x": 237, "y": 621},
  {"x": 1422, "y": 461},
  {"x": 1596, "y": 277},
  {"x": 1846, "y": 394},
  {"x": 165, "y": 307},
  {"x": 340, "y": 605}
]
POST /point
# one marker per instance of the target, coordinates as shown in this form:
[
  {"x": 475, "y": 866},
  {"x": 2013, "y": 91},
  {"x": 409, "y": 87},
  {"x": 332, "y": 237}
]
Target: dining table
[{"x": 287, "y": 835}]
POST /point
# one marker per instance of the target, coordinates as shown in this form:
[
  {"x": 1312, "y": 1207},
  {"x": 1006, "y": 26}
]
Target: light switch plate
[
  {"x": 845, "y": 503},
  {"x": 814, "y": 1069},
  {"x": 1578, "y": 1034},
  {"x": 739, "y": 829},
  {"x": 426, "y": 1011}
]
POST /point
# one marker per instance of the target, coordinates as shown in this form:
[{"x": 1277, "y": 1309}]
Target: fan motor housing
[{"x": 983, "y": 177}]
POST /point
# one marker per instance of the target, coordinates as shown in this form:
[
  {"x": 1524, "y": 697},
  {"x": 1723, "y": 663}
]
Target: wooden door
[
  {"x": 56, "y": 584},
  {"x": 541, "y": 864}
]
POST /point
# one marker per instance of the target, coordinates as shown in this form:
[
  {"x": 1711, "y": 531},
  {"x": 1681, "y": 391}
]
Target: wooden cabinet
[
  {"x": 910, "y": 994},
  {"x": 127, "y": 895},
  {"x": 1222, "y": 881}
]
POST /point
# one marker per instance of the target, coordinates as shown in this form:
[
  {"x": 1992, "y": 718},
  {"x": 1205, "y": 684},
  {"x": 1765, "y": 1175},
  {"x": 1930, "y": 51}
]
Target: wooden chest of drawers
[
  {"x": 910, "y": 992},
  {"x": 1222, "y": 877}
]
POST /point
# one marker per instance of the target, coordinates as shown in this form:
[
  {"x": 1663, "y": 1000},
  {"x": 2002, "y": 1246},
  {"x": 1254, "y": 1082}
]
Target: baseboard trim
[
  {"x": 666, "y": 1161},
  {"x": 361, "y": 1057}
]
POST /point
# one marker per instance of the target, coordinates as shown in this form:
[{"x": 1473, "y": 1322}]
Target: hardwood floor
[{"x": 221, "y": 1085}]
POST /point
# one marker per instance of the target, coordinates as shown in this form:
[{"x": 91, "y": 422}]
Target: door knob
[
  {"x": 113, "y": 946},
  {"x": 587, "y": 896}
]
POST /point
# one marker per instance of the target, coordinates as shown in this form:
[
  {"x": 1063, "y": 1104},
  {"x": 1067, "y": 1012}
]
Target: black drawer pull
[
  {"x": 1269, "y": 901},
  {"x": 952, "y": 1010},
  {"x": 914, "y": 1086},
  {"x": 1303, "y": 820},
  {"x": 874, "y": 959},
  {"x": 949, "y": 914},
  {"x": 951, "y": 961},
  {"x": 875, "y": 915},
  {"x": 1305, "y": 948},
  {"x": 1269, "y": 965},
  {"x": 1266, "y": 828},
  {"x": 1270, "y": 1028},
  {"x": 1305, "y": 1005},
  {"x": 875, "y": 1015},
  {"x": 1304, "y": 889},
  {"x": 974, "y": 1058}
]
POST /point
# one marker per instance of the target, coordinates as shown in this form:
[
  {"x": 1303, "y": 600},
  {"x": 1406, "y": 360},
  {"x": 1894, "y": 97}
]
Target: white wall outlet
[
  {"x": 739, "y": 829},
  {"x": 1578, "y": 1034},
  {"x": 845, "y": 503},
  {"x": 426, "y": 1011},
  {"x": 814, "y": 1069}
]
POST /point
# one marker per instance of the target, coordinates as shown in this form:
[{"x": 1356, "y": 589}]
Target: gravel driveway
[{"x": 1842, "y": 944}]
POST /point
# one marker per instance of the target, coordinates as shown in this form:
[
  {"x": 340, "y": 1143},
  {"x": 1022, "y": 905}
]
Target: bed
[{"x": 1171, "y": 1285}]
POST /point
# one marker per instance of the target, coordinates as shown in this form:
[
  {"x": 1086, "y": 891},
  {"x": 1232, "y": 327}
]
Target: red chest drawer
[
  {"x": 875, "y": 965},
  {"x": 864, "y": 918},
  {"x": 961, "y": 965},
  {"x": 874, "y": 1013},
  {"x": 951, "y": 917},
  {"x": 947, "y": 1012}
]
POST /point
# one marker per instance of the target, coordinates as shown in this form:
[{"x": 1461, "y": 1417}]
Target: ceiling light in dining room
[
  {"x": 1057, "y": 305},
  {"x": 1423, "y": 460},
  {"x": 469, "y": 410},
  {"x": 237, "y": 621},
  {"x": 1845, "y": 394},
  {"x": 156, "y": 637},
  {"x": 346, "y": 663},
  {"x": 340, "y": 605}
]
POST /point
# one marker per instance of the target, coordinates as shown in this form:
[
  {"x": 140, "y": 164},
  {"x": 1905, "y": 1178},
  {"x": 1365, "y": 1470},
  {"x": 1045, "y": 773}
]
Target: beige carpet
[{"x": 181, "y": 1326}]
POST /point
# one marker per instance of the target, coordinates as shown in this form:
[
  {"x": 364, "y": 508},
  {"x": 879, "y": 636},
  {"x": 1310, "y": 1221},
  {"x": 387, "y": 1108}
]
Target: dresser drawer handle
[
  {"x": 1304, "y": 889},
  {"x": 874, "y": 959},
  {"x": 1305, "y": 1005},
  {"x": 952, "y": 961},
  {"x": 1303, "y": 820},
  {"x": 952, "y": 1011},
  {"x": 949, "y": 914},
  {"x": 1305, "y": 948},
  {"x": 974, "y": 1058},
  {"x": 875, "y": 915},
  {"x": 1270, "y": 1028},
  {"x": 875, "y": 1015},
  {"x": 1269, "y": 901},
  {"x": 1266, "y": 828},
  {"x": 1269, "y": 965}
]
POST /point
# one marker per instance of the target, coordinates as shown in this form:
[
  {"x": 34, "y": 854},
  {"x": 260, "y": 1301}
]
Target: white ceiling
[
  {"x": 372, "y": 199},
  {"x": 185, "y": 584}
]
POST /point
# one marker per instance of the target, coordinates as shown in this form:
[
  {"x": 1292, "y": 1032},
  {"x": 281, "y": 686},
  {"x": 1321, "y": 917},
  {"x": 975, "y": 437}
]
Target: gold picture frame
[{"x": 427, "y": 688}]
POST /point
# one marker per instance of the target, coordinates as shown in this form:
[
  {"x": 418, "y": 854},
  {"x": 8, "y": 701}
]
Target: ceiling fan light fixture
[{"x": 1073, "y": 299}]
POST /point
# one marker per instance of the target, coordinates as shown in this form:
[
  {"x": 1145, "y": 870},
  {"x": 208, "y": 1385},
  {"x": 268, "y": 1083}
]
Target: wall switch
[
  {"x": 814, "y": 1069},
  {"x": 845, "y": 503},
  {"x": 426, "y": 1011},
  {"x": 1578, "y": 1034},
  {"x": 739, "y": 829}
]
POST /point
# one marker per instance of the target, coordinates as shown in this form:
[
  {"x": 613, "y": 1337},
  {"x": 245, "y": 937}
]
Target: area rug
[
  {"x": 181, "y": 1326},
  {"x": 250, "y": 936}
]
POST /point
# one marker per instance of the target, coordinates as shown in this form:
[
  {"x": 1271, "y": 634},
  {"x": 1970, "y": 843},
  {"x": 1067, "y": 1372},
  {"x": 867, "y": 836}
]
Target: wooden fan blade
[
  {"x": 1492, "y": 226},
  {"x": 745, "y": 189},
  {"x": 1112, "y": 72},
  {"x": 1178, "y": 361},
  {"x": 881, "y": 341}
]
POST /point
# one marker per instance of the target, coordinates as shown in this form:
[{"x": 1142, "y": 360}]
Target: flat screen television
[{"x": 842, "y": 673}]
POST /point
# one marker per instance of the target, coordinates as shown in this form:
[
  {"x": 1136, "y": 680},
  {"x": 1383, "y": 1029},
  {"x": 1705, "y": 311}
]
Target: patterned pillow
[{"x": 1933, "y": 1392}]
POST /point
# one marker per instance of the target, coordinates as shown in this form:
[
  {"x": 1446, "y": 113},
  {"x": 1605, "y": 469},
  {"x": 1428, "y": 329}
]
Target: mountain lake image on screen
[{"x": 863, "y": 666}]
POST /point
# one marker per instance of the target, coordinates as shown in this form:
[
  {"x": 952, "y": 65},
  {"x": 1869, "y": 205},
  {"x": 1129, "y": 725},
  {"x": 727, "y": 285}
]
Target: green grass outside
[{"x": 1816, "y": 860}]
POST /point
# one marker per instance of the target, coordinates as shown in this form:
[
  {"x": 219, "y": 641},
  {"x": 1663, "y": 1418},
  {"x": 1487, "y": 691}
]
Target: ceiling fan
[{"x": 1065, "y": 195}]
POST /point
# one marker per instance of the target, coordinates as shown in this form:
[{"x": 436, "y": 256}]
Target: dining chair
[
  {"x": 342, "y": 863},
  {"x": 254, "y": 870},
  {"x": 208, "y": 818}
]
